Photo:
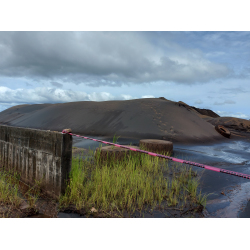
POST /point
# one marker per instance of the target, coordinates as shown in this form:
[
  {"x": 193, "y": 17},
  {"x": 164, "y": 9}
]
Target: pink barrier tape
[{"x": 168, "y": 157}]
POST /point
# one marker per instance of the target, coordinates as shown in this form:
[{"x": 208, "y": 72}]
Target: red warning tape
[{"x": 168, "y": 157}]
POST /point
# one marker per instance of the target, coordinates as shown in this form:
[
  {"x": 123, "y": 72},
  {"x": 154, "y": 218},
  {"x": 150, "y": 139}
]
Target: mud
[{"x": 157, "y": 212}]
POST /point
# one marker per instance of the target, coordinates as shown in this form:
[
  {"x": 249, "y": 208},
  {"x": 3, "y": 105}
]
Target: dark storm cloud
[{"x": 104, "y": 58}]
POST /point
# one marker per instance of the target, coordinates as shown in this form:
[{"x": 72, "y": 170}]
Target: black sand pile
[{"x": 155, "y": 118}]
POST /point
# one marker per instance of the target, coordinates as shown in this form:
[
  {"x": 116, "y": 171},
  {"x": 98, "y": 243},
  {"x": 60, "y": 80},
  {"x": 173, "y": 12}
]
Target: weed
[
  {"x": 130, "y": 184},
  {"x": 33, "y": 193},
  {"x": 115, "y": 139},
  {"x": 9, "y": 190}
]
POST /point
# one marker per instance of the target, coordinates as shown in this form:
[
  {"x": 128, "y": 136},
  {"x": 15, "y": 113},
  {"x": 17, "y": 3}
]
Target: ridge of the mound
[
  {"x": 203, "y": 113},
  {"x": 206, "y": 112},
  {"x": 233, "y": 123}
]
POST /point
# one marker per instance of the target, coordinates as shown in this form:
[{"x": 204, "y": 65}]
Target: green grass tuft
[
  {"x": 138, "y": 181},
  {"x": 9, "y": 190}
]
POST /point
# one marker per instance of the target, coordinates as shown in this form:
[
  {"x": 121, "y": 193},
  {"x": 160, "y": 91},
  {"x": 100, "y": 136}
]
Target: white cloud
[
  {"x": 10, "y": 97},
  {"x": 103, "y": 96},
  {"x": 198, "y": 102},
  {"x": 127, "y": 97},
  {"x": 237, "y": 90},
  {"x": 49, "y": 95},
  {"x": 215, "y": 54},
  {"x": 225, "y": 102},
  {"x": 229, "y": 114},
  {"x": 147, "y": 96}
]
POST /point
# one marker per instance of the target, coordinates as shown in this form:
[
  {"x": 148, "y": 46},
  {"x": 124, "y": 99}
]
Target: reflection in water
[
  {"x": 229, "y": 194},
  {"x": 236, "y": 152},
  {"x": 84, "y": 143},
  {"x": 236, "y": 202}
]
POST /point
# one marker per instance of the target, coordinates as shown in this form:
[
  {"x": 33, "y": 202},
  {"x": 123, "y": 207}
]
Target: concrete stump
[
  {"x": 116, "y": 153},
  {"x": 157, "y": 146}
]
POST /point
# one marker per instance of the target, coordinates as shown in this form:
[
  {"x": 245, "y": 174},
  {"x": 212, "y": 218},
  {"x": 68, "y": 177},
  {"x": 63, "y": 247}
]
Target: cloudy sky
[{"x": 203, "y": 69}]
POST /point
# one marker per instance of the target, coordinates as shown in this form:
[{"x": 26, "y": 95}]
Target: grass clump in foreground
[
  {"x": 12, "y": 195},
  {"x": 138, "y": 182},
  {"x": 8, "y": 190}
]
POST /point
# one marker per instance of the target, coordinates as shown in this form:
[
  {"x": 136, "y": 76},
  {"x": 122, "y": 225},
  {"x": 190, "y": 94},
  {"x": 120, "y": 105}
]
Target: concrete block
[{"x": 38, "y": 155}]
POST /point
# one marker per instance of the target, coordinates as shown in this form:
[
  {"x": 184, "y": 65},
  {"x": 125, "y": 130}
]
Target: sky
[{"x": 203, "y": 69}]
